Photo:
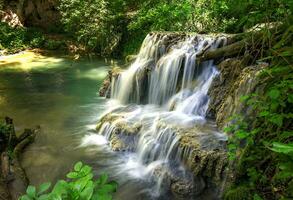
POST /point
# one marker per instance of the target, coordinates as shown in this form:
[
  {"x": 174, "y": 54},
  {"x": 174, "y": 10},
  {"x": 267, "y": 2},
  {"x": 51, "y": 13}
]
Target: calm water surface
[{"x": 61, "y": 95}]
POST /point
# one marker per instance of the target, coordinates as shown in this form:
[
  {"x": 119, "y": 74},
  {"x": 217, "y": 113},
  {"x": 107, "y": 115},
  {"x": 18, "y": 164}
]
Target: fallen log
[
  {"x": 226, "y": 51},
  {"x": 238, "y": 44}
]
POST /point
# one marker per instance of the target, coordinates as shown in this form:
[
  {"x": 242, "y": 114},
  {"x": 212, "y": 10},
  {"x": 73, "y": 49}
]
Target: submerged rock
[
  {"x": 188, "y": 190},
  {"x": 120, "y": 134}
]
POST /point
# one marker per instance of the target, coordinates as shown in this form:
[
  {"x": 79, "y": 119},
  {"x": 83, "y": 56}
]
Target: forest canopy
[{"x": 106, "y": 25}]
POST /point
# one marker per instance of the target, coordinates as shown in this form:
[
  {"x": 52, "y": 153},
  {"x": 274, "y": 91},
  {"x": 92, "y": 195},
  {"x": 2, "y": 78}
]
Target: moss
[{"x": 239, "y": 193}]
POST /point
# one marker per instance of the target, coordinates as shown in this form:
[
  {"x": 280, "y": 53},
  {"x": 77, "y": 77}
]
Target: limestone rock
[
  {"x": 36, "y": 13},
  {"x": 235, "y": 80},
  {"x": 105, "y": 90}
]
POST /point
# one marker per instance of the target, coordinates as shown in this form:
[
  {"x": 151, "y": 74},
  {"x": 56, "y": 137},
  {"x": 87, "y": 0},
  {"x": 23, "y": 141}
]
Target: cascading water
[{"x": 160, "y": 102}]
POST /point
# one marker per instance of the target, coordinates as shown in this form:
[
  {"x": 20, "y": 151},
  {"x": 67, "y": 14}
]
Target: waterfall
[{"x": 159, "y": 100}]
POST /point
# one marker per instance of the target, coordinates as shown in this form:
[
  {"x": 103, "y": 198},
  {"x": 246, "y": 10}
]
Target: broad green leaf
[
  {"x": 282, "y": 148},
  {"x": 107, "y": 188},
  {"x": 72, "y": 175},
  {"x": 80, "y": 184},
  {"x": 25, "y": 197},
  {"x": 87, "y": 193},
  {"x": 44, "y": 187},
  {"x": 61, "y": 187},
  {"x": 44, "y": 197},
  {"x": 103, "y": 179},
  {"x": 31, "y": 191},
  {"x": 274, "y": 93},
  {"x": 86, "y": 170},
  {"x": 78, "y": 166}
]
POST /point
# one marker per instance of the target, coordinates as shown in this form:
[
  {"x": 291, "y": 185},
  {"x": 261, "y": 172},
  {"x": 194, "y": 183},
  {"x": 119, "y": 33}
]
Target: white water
[{"x": 163, "y": 90}]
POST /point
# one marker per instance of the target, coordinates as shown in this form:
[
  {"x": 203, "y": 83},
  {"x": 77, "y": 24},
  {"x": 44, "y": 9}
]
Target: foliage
[
  {"x": 205, "y": 16},
  {"x": 18, "y": 38},
  {"x": 95, "y": 24},
  {"x": 208, "y": 15},
  {"x": 54, "y": 44},
  {"x": 80, "y": 186},
  {"x": 263, "y": 142}
]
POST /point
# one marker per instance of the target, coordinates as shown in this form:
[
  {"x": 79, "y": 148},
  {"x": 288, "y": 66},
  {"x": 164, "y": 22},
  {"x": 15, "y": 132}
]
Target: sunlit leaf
[
  {"x": 31, "y": 191},
  {"x": 44, "y": 187},
  {"x": 282, "y": 148},
  {"x": 78, "y": 166}
]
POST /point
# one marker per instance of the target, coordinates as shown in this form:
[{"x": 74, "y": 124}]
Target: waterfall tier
[{"x": 158, "y": 108}]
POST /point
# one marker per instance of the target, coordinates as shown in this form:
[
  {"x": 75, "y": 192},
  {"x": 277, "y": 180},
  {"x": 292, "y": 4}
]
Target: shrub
[{"x": 80, "y": 186}]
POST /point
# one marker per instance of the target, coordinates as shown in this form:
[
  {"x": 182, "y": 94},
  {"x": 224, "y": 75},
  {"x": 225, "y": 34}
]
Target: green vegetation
[
  {"x": 107, "y": 26},
  {"x": 18, "y": 38},
  {"x": 80, "y": 186},
  {"x": 117, "y": 27},
  {"x": 263, "y": 141}
]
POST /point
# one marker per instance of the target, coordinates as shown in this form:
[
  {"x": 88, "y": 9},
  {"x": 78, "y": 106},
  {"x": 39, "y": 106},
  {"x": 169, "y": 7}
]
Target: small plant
[
  {"x": 32, "y": 193},
  {"x": 80, "y": 186}
]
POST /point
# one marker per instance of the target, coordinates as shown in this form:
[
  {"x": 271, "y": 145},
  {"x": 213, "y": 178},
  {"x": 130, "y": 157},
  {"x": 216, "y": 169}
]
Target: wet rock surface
[
  {"x": 105, "y": 89},
  {"x": 235, "y": 80},
  {"x": 200, "y": 151}
]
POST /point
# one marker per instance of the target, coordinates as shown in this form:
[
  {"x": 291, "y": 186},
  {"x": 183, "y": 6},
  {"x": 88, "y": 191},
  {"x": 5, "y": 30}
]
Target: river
[{"x": 61, "y": 95}]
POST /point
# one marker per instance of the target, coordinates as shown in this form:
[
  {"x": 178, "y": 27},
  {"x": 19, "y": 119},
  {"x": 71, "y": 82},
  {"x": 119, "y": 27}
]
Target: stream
[{"x": 61, "y": 95}]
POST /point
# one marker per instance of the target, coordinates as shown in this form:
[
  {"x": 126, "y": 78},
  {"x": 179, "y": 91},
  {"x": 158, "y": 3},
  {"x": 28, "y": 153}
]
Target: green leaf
[
  {"x": 228, "y": 129},
  {"x": 87, "y": 193},
  {"x": 282, "y": 148},
  {"x": 241, "y": 134},
  {"x": 78, "y": 166},
  {"x": 232, "y": 146},
  {"x": 277, "y": 119},
  {"x": 72, "y": 175},
  {"x": 44, "y": 197},
  {"x": 274, "y": 93},
  {"x": 31, "y": 191},
  {"x": 25, "y": 197},
  {"x": 107, "y": 188},
  {"x": 44, "y": 187},
  {"x": 86, "y": 170},
  {"x": 103, "y": 179},
  {"x": 60, "y": 188},
  {"x": 244, "y": 98}
]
